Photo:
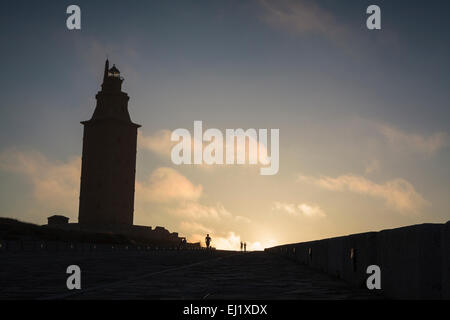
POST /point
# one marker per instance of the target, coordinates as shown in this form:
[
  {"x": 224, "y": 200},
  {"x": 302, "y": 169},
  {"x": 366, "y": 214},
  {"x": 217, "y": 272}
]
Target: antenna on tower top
[{"x": 105, "y": 74}]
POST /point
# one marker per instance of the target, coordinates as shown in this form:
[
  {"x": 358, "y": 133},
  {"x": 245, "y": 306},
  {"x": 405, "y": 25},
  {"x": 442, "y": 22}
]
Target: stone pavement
[{"x": 167, "y": 275}]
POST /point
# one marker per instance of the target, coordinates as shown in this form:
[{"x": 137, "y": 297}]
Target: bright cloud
[
  {"x": 161, "y": 144},
  {"x": 259, "y": 246},
  {"x": 194, "y": 227},
  {"x": 232, "y": 241},
  {"x": 414, "y": 142},
  {"x": 398, "y": 194},
  {"x": 303, "y": 209},
  {"x": 167, "y": 185},
  {"x": 55, "y": 185},
  {"x": 196, "y": 210},
  {"x": 158, "y": 143}
]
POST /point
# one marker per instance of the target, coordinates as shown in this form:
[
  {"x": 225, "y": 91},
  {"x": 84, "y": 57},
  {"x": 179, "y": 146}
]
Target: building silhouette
[
  {"x": 109, "y": 158},
  {"x": 57, "y": 220},
  {"x": 108, "y": 170}
]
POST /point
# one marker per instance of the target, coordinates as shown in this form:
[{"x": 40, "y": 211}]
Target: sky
[{"x": 363, "y": 114}]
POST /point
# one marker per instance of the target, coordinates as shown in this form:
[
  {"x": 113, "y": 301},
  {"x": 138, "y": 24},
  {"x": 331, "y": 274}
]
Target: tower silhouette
[{"x": 109, "y": 157}]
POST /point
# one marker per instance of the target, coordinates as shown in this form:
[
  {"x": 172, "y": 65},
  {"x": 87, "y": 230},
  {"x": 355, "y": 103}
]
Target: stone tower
[{"x": 109, "y": 158}]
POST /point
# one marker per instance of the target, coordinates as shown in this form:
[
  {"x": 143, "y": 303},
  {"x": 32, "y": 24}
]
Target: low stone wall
[
  {"x": 414, "y": 260},
  {"x": 60, "y": 246}
]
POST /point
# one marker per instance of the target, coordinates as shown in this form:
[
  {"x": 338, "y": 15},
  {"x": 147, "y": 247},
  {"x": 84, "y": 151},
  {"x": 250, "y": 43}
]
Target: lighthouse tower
[{"x": 109, "y": 158}]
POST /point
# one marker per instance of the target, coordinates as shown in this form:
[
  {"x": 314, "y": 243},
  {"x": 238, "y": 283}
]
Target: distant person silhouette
[
  {"x": 182, "y": 244},
  {"x": 208, "y": 240},
  {"x": 245, "y": 246},
  {"x": 242, "y": 245}
]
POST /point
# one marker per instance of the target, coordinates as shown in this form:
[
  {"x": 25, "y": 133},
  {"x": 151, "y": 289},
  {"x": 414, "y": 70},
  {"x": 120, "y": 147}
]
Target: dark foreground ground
[{"x": 166, "y": 275}]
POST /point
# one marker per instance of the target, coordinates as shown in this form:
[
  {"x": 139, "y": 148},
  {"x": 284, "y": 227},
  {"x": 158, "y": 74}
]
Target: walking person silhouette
[
  {"x": 245, "y": 246},
  {"x": 242, "y": 245},
  {"x": 208, "y": 241}
]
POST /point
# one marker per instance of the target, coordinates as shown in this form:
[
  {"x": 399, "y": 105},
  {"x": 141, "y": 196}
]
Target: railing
[{"x": 63, "y": 246}]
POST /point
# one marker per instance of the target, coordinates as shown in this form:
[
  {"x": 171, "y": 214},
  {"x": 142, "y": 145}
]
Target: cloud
[
  {"x": 230, "y": 242},
  {"x": 415, "y": 143},
  {"x": 303, "y": 17},
  {"x": 177, "y": 195},
  {"x": 194, "y": 227},
  {"x": 58, "y": 183},
  {"x": 259, "y": 246},
  {"x": 158, "y": 143},
  {"x": 169, "y": 192},
  {"x": 55, "y": 185},
  {"x": 196, "y": 210},
  {"x": 167, "y": 185},
  {"x": 299, "y": 210},
  {"x": 310, "y": 211},
  {"x": 398, "y": 194}
]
